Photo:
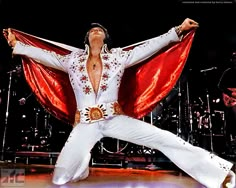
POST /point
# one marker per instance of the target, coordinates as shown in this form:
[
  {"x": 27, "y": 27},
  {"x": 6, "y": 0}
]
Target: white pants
[{"x": 73, "y": 161}]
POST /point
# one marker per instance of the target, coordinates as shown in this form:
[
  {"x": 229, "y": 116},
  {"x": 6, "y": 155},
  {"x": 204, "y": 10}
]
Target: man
[
  {"x": 95, "y": 75},
  {"x": 227, "y": 86}
]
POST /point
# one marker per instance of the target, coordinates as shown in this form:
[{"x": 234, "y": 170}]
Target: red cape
[{"x": 142, "y": 87}]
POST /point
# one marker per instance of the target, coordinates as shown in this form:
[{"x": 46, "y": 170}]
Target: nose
[{"x": 96, "y": 30}]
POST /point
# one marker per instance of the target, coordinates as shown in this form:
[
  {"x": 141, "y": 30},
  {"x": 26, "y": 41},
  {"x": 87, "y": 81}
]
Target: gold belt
[{"x": 98, "y": 112}]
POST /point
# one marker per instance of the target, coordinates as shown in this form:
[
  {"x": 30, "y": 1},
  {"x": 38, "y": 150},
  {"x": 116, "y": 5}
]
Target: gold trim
[{"x": 96, "y": 113}]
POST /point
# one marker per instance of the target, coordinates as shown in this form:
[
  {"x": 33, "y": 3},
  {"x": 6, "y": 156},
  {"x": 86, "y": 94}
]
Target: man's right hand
[{"x": 11, "y": 38}]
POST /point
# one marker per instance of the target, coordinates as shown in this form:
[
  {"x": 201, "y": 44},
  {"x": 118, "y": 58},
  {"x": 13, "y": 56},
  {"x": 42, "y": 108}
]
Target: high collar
[{"x": 104, "y": 49}]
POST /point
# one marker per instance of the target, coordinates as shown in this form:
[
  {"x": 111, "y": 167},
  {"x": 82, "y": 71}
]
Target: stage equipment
[
  {"x": 37, "y": 137},
  {"x": 192, "y": 133},
  {"x": 113, "y": 146},
  {"x": 208, "y": 69},
  {"x": 208, "y": 112},
  {"x": 10, "y": 73},
  {"x": 22, "y": 101},
  {"x": 218, "y": 123}
]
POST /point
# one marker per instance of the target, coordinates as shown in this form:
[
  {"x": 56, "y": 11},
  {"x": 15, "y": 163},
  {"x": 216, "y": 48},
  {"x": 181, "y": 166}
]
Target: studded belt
[{"x": 97, "y": 112}]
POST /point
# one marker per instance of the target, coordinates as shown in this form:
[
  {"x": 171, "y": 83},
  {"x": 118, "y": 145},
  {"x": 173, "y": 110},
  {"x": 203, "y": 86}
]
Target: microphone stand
[
  {"x": 179, "y": 130},
  {"x": 7, "y": 114},
  {"x": 190, "y": 116},
  {"x": 209, "y": 118},
  {"x": 208, "y": 111}
]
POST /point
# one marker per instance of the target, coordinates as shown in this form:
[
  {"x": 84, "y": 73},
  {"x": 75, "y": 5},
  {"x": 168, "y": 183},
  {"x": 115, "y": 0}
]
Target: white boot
[{"x": 229, "y": 181}]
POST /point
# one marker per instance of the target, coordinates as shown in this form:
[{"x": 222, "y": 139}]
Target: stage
[
  {"x": 34, "y": 169},
  {"x": 39, "y": 176}
]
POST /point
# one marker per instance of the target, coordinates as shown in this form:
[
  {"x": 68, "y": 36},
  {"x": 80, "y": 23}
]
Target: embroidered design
[
  {"x": 82, "y": 59},
  {"x": 81, "y": 68},
  {"x": 74, "y": 68},
  {"x": 103, "y": 87},
  {"x": 119, "y": 77},
  {"x": 77, "y": 117},
  {"x": 117, "y": 109},
  {"x": 105, "y": 76},
  {"x": 220, "y": 162},
  {"x": 84, "y": 79},
  {"x": 99, "y": 112},
  {"x": 105, "y": 57},
  {"x": 107, "y": 66},
  {"x": 87, "y": 89},
  {"x": 115, "y": 64},
  {"x": 95, "y": 113}
]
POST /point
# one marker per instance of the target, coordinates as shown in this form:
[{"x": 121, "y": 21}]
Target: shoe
[{"x": 229, "y": 181}]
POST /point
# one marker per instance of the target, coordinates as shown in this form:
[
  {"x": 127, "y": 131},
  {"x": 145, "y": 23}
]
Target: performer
[
  {"x": 227, "y": 85},
  {"x": 95, "y": 74}
]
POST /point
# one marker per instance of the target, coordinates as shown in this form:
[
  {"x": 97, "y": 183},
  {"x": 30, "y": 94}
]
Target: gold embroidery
[
  {"x": 92, "y": 114},
  {"x": 95, "y": 113},
  {"x": 77, "y": 117},
  {"x": 117, "y": 109}
]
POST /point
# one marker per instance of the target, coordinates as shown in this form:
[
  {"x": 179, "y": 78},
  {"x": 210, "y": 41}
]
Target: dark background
[
  {"x": 67, "y": 22},
  {"x": 127, "y": 23}
]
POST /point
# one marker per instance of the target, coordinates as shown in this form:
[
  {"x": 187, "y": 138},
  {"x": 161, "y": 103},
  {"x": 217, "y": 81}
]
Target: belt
[{"x": 97, "y": 112}]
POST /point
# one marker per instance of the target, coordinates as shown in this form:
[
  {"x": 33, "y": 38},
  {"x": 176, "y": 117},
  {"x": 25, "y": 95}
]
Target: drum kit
[{"x": 37, "y": 137}]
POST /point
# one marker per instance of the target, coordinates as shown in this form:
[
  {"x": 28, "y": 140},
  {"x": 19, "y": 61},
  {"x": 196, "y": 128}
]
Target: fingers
[
  {"x": 10, "y": 37},
  {"x": 4, "y": 31},
  {"x": 192, "y": 22},
  {"x": 7, "y": 31}
]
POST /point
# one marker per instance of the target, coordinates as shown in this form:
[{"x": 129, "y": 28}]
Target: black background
[{"x": 67, "y": 22}]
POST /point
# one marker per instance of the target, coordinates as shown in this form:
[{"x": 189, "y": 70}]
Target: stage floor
[{"x": 39, "y": 176}]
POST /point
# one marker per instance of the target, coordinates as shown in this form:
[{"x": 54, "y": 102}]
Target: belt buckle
[
  {"x": 95, "y": 113},
  {"x": 99, "y": 112}
]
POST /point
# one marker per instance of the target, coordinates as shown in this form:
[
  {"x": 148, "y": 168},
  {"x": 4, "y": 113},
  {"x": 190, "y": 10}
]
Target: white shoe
[{"x": 230, "y": 180}]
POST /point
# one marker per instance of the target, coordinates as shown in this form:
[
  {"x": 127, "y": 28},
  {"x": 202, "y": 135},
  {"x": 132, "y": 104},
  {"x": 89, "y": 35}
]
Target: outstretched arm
[
  {"x": 150, "y": 47},
  {"x": 42, "y": 56}
]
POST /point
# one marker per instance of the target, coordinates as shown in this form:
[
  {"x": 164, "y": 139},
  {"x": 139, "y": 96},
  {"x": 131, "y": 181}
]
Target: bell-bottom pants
[{"x": 73, "y": 162}]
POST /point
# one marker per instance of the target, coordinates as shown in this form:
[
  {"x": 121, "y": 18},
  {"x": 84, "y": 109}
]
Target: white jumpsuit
[{"x": 73, "y": 161}]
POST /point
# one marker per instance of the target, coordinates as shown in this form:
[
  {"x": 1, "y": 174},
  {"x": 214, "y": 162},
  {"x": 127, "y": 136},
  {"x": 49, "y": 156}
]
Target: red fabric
[
  {"x": 142, "y": 87},
  {"x": 146, "y": 84}
]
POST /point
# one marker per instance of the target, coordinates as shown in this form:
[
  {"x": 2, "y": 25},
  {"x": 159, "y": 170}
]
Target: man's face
[{"x": 96, "y": 33}]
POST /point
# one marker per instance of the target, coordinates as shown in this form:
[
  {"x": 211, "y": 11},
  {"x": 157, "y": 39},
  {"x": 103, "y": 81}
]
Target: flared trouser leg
[
  {"x": 73, "y": 162},
  {"x": 204, "y": 166}
]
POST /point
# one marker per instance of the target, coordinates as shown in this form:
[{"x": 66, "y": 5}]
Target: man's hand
[
  {"x": 11, "y": 38},
  {"x": 188, "y": 24}
]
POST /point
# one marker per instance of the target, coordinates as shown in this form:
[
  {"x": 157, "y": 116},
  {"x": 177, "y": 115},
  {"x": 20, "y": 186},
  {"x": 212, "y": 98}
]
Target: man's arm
[
  {"x": 42, "y": 56},
  {"x": 154, "y": 45}
]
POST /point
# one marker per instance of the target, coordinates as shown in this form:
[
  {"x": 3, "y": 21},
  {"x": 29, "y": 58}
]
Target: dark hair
[{"x": 107, "y": 39}]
